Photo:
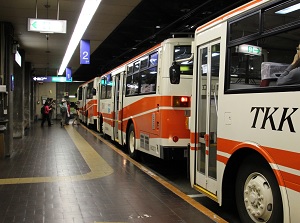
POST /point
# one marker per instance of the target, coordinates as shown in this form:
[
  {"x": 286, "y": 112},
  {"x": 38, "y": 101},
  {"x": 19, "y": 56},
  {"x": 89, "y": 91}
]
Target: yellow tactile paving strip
[
  {"x": 98, "y": 166},
  {"x": 175, "y": 190}
]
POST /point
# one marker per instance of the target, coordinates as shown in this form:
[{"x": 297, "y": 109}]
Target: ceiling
[{"x": 119, "y": 30}]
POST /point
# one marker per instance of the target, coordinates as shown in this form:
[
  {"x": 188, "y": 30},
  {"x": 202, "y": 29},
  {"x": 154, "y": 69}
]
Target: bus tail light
[
  {"x": 175, "y": 138},
  {"x": 181, "y": 101}
]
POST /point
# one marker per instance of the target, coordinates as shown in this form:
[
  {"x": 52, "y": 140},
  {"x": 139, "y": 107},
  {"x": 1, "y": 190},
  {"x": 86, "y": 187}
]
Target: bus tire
[
  {"x": 258, "y": 197},
  {"x": 131, "y": 143}
]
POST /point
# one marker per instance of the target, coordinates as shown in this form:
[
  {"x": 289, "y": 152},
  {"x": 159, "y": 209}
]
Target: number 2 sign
[{"x": 84, "y": 52}]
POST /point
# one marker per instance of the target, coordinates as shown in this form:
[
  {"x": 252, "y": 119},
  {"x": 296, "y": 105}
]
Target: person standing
[
  {"x": 68, "y": 113},
  {"x": 51, "y": 104},
  {"x": 63, "y": 112},
  {"x": 46, "y": 114},
  {"x": 76, "y": 118}
]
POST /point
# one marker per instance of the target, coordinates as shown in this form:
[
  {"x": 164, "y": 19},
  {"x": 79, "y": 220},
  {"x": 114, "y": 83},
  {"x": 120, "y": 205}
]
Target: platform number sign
[{"x": 84, "y": 52}]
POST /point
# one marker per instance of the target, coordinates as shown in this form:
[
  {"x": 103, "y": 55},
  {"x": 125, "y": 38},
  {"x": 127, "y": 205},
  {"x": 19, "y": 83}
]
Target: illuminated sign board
[
  {"x": 85, "y": 52},
  {"x": 249, "y": 49},
  {"x": 51, "y": 79},
  {"x": 68, "y": 74},
  {"x": 47, "y": 25}
]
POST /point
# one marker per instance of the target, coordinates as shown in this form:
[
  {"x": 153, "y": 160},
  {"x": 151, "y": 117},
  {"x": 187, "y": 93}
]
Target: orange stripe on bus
[
  {"x": 293, "y": 179},
  {"x": 278, "y": 157}
]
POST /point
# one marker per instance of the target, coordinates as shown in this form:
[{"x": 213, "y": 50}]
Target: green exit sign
[
  {"x": 250, "y": 49},
  {"x": 47, "y": 25}
]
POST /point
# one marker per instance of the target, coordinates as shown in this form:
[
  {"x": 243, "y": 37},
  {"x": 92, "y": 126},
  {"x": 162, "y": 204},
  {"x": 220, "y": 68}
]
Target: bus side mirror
[
  {"x": 94, "y": 91},
  {"x": 174, "y": 73}
]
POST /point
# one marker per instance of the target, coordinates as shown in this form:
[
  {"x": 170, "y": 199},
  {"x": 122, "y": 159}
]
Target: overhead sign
[
  {"x": 85, "y": 52},
  {"x": 249, "y": 49},
  {"x": 51, "y": 79},
  {"x": 47, "y": 25},
  {"x": 68, "y": 74}
]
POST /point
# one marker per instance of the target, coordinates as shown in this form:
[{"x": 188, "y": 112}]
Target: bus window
[
  {"x": 244, "y": 27},
  {"x": 144, "y": 62},
  {"x": 277, "y": 16},
  {"x": 184, "y": 52},
  {"x": 153, "y": 59},
  {"x": 89, "y": 94},
  {"x": 132, "y": 84},
  {"x": 106, "y": 86},
  {"x": 136, "y": 67},
  {"x": 245, "y": 64},
  {"x": 130, "y": 69},
  {"x": 261, "y": 59},
  {"x": 148, "y": 80},
  {"x": 103, "y": 88},
  {"x": 79, "y": 95},
  {"x": 259, "y": 63}
]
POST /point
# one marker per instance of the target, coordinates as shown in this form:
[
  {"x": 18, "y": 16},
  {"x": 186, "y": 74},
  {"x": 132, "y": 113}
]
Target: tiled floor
[{"x": 68, "y": 175}]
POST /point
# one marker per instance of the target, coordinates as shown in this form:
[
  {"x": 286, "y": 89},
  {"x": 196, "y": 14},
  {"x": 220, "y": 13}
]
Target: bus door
[
  {"x": 116, "y": 108},
  {"x": 206, "y": 154},
  {"x": 84, "y": 96},
  {"x": 99, "y": 121}
]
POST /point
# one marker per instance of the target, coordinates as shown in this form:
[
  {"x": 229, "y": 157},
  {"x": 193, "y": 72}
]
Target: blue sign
[
  {"x": 85, "y": 52},
  {"x": 68, "y": 74},
  {"x": 51, "y": 79}
]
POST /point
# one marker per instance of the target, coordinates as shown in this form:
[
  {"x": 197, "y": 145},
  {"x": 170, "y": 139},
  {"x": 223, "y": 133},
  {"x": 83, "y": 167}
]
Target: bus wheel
[
  {"x": 258, "y": 196},
  {"x": 131, "y": 143}
]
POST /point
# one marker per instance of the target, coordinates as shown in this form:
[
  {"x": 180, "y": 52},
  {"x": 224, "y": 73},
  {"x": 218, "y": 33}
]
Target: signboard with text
[
  {"x": 68, "y": 74},
  {"x": 47, "y": 25},
  {"x": 51, "y": 79},
  {"x": 85, "y": 52}
]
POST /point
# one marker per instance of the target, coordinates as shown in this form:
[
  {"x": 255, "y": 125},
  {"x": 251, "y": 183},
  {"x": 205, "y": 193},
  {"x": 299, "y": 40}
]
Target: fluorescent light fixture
[
  {"x": 87, "y": 12},
  {"x": 289, "y": 9}
]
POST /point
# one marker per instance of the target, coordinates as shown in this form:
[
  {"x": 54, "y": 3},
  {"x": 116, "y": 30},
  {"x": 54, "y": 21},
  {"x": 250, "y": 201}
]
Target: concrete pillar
[
  {"x": 6, "y": 72},
  {"x": 28, "y": 117},
  {"x": 18, "y": 98}
]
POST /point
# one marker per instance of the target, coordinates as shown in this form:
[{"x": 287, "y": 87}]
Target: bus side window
[
  {"x": 132, "y": 84},
  {"x": 148, "y": 80}
]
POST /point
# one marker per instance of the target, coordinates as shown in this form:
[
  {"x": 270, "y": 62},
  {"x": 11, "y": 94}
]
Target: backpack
[{"x": 43, "y": 110}]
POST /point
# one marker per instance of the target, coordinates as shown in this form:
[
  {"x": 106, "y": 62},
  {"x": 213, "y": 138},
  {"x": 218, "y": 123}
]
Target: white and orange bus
[
  {"x": 140, "y": 109},
  {"x": 87, "y": 95},
  {"x": 245, "y": 126},
  {"x": 136, "y": 106}
]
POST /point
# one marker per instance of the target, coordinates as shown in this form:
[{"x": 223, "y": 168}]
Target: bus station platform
[{"x": 69, "y": 174}]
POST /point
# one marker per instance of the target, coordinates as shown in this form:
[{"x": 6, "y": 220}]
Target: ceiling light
[
  {"x": 289, "y": 9},
  {"x": 87, "y": 12}
]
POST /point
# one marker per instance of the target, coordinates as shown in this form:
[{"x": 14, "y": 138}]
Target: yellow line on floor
[
  {"x": 98, "y": 166},
  {"x": 172, "y": 188}
]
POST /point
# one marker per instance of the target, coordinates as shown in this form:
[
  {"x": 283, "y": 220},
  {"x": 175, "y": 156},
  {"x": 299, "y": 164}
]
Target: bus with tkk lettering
[
  {"x": 140, "y": 109},
  {"x": 245, "y": 118}
]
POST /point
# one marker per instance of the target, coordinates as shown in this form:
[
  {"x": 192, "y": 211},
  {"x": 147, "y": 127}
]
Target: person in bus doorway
[
  {"x": 291, "y": 75},
  {"x": 46, "y": 114}
]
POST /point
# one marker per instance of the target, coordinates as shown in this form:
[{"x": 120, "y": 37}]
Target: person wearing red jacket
[{"x": 46, "y": 114}]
